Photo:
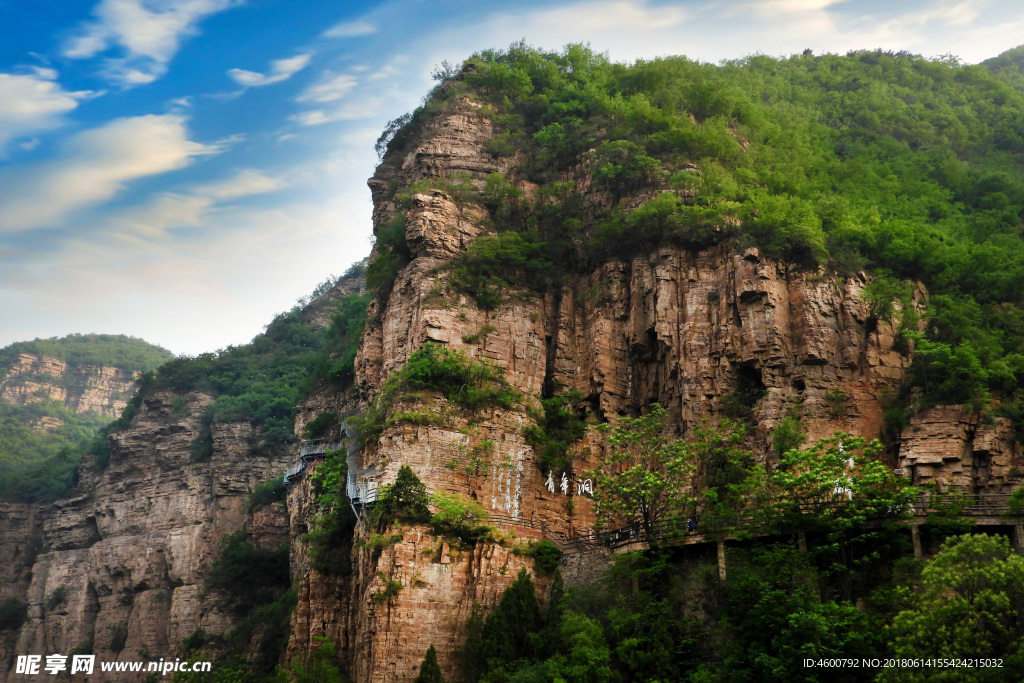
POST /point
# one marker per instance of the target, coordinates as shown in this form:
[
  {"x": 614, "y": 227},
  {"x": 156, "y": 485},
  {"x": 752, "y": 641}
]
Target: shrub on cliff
[
  {"x": 13, "y": 614},
  {"x": 458, "y": 516},
  {"x": 319, "y": 667},
  {"x": 404, "y": 501},
  {"x": 558, "y": 426},
  {"x": 469, "y": 383},
  {"x": 465, "y": 382},
  {"x": 343, "y": 337},
  {"x": 332, "y": 527}
]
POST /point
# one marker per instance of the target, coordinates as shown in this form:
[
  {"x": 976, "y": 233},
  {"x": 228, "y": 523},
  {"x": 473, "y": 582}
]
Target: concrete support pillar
[
  {"x": 1018, "y": 536},
  {"x": 801, "y": 540},
  {"x": 915, "y": 535},
  {"x": 721, "y": 560}
]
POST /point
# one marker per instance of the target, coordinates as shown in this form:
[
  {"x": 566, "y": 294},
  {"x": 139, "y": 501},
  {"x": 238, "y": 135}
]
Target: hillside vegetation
[
  {"x": 107, "y": 350},
  {"x": 903, "y": 166}
]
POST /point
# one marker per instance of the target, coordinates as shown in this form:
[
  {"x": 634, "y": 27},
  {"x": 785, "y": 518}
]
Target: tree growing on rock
[
  {"x": 430, "y": 671},
  {"x": 405, "y": 500}
]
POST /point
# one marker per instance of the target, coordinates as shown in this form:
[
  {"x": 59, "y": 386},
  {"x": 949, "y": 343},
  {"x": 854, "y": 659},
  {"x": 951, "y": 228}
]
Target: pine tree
[
  {"x": 430, "y": 672},
  {"x": 506, "y": 634},
  {"x": 406, "y": 499}
]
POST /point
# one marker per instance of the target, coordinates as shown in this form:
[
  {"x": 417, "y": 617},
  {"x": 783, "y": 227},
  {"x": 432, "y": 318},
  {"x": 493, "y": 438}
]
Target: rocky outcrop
[
  {"x": 81, "y": 388},
  {"x": 689, "y": 330},
  {"x": 955, "y": 448},
  {"x": 121, "y": 566}
]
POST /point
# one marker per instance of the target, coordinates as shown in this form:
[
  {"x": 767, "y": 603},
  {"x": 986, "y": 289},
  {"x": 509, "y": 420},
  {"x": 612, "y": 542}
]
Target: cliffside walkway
[
  {"x": 982, "y": 509},
  {"x": 310, "y": 450}
]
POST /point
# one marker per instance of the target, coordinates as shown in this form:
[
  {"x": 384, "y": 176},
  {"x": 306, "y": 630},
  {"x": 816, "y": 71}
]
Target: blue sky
[{"x": 182, "y": 170}]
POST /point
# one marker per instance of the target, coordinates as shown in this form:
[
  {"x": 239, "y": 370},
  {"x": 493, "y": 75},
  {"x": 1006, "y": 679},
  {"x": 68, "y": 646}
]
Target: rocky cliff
[
  {"x": 118, "y": 569},
  {"x": 686, "y": 329},
  {"x": 81, "y": 387}
]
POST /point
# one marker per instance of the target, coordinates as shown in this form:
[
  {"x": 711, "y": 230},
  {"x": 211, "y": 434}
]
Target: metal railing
[
  {"x": 713, "y": 528},
  {"x": 310, "y": 450}
]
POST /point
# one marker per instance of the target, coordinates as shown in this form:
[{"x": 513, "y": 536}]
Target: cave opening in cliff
[{"x": 749, "y": 390}]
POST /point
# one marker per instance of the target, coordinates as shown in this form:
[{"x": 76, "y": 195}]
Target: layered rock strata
[
  {"x": 81, "y": 388},
  {"x": 688, "y": 330},
  {"x": 120, "y": 567}
]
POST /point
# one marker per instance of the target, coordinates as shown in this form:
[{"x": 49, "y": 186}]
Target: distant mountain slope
[
  {"x": 108, "y": 350},
  {"x": 55, "y": 393}
]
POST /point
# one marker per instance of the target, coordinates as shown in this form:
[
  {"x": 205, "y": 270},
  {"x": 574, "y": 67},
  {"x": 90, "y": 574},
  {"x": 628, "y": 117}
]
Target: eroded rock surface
[{"x": 81, "y": 388}]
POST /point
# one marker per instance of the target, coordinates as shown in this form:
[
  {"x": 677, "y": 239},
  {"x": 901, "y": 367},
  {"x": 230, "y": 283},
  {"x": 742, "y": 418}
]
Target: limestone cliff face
[
  {"x": 954, "y": 447},
  {"x": 130, "y": 553},
  {"x": 685, "y": 329},
  {"x": 81, "y": 388}
]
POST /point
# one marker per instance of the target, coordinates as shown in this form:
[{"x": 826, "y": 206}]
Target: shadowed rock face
[{"x": 132, "y": 550}]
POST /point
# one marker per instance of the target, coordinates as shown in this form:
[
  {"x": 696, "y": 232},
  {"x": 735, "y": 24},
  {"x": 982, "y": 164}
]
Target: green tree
[
  {"x": 331, "y": 531},
  {"x": 775, "y": 617},
  {"x": 648, "y": 477},
  {"x": 505, "y": 637},
  {"x": 835, "y": 487},
  {"x": 971, "y": 600},
  {"x": 588, "y": 657},
  {"x": 458, "y": 516},
  {"x": 405, "y": 500},
  {"x": 430, "y": 672},
  {"x": 319, "y": 667}
]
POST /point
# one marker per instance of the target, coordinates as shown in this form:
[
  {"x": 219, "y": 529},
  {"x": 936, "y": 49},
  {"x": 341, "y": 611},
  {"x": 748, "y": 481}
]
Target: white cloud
[
  {"x": 192, "y": 208},
  {"x": 332, "y": 87},
  {"x": 45, "y": 73},
  {"x": 148, "y": 31},
  {"x": 363, "y": 108},
  {"x": 95, "y": 165},
  {"x": 280, "y": 70},
  {"x": 314, "y": 117},
  {"x": 32, "y": 103},
  {"x": 350, "y": 29},
  {"x": 244, "y": 183},
  {"x": 610, "y": 15},
  {"x": 396, "y": 66}
]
